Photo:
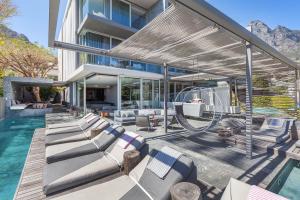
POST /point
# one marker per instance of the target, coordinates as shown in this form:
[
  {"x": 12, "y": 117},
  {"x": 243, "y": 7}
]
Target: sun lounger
[
  {"x": 297, "y": 144},
  {"x": 72, "y": 172},
  {"x": 64, "y": 151},
  {"x": 68, "y": 124},
  {"x": 100, "y": 125},
  {"x": 141, "y": 183},
  {"x": 83, "y": 125},
  {"x": 275, "y": 130},
  {"x": 237, "y": 190}
]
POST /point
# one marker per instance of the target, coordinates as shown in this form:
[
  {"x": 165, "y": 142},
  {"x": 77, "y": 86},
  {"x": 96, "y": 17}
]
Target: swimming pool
[
  {"x": 267, "y": 111},
  {"x": 15, "y": 139},
  {"x": 287, "y": 181}
]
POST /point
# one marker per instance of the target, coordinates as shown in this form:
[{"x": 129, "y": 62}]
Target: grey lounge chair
[
  {"x": 100, "y": 125},
  {"x": 64, "y": 151},
  {"x": 76, "y": 171},
  {"x": 140, "y": 183},
  {"x": 72, "y": 123},
  {"x": 142, "y": 121},
  {"x": 275, "y": 130},
  {"x": 83, "y": 125}
]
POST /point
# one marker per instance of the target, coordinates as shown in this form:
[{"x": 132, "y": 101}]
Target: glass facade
[
  {"x": 80, "y": 93},
  {"x": 130, "y": 93},
  {"x": 121, "y": 12},
  {"x": 97, "y": 41},
  {"x": 99, "y": 8},
  {"x": 138, "y": 18}
]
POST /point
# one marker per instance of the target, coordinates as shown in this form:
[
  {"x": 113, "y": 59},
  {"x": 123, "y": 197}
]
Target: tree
[
  {"x": 7, "y": 10},
  {"x": 26, "y": 59}
]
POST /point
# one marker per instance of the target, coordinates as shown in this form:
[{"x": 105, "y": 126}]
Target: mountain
[
  {"x": 12, "y": 34},
  {"x": 283, "y": 39}
]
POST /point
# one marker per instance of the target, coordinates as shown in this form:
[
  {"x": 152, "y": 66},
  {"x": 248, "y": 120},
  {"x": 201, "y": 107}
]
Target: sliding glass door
[{"x": 130, "y": 93}]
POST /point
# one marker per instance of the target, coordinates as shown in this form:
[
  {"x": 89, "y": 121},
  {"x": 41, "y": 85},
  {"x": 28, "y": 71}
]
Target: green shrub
[{"x": 280, "y": 102}]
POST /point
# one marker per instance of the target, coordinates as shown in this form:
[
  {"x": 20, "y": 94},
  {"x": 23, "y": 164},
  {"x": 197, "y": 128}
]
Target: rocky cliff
[{"x": 283, "y": 39}]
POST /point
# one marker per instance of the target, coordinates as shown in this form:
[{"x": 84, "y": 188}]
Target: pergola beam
[{"x": 206, "y": 10}]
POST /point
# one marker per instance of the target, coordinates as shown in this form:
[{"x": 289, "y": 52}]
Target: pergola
[{"x": 193, "y": 35}]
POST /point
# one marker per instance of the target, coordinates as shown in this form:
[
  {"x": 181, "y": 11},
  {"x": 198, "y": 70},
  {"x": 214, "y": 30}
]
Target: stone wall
[{"x": 2, "y": 107}]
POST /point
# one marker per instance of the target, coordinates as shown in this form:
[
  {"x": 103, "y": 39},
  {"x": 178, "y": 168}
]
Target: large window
[
  {"x": 130, "y": 93},
  {"x": 80, "y": 93},
  {"x": 121, "y": 12},
  {"x": 138, "y": 18},
  {"x": 121, "y": 63},
  {"x": 97, "y": 41},
  {"x": 100, "y": 8},
  {"x": 147, "y": 94}
]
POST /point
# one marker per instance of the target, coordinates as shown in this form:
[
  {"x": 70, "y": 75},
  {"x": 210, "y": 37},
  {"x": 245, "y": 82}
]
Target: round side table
[{"x": 185, "y": 191}]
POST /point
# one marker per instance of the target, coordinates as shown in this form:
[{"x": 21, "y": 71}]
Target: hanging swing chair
[{"x": 205, "y": 101}]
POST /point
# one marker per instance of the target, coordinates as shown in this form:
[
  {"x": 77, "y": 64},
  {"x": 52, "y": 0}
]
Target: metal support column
[
  {"x": 236, "y": 99},
  {"x": 165, "y": 97},
  {"x": 249, "y": 140},
  {"x": 297, "y": 88},
  {"x": 230, "y": 92},
  {"x": 84, "y": 95}
]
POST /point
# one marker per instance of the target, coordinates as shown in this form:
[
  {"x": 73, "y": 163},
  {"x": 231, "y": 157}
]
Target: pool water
[
  {"x": 287, "y": 181},
  {"x": 267, "y": 111},
  {"x": 15, "y": 139}
]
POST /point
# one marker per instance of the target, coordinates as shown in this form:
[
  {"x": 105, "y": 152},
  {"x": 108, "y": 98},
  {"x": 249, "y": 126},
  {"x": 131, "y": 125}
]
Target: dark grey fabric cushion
[
  {"x": 99, "y": 143},
  {"x": 64, "y": 137},
  {"x": 60, "y": 175},
  {"x": 158, "y": 188},
  {"x": 104, "y": 140},
  {"x": 74, "y": 152}
]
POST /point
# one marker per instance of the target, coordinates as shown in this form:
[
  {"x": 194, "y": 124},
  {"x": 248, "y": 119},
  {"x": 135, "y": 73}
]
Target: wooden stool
[
  {"x": 131, "y": 159},
  {"x": 185, "y": 191},
  {"x": 95, "y": 132}
]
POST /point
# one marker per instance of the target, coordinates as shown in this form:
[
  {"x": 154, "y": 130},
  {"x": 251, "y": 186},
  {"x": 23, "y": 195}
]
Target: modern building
[{"x": 106, "y": 82}]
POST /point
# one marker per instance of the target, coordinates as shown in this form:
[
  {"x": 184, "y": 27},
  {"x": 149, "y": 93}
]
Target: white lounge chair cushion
[{"x": 236, "y": 190}]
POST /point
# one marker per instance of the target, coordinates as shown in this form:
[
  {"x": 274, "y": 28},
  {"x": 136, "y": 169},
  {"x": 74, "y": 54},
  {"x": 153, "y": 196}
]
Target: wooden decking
[{"x": 31, "y": 182}]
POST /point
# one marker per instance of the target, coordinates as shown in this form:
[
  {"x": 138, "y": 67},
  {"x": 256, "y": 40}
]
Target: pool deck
[
  {"x": 31, "y": 181},
  {"x": 216, "y": 160}
]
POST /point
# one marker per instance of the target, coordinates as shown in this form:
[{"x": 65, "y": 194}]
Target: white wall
[
  {"x": 2, "y": 107},
  {"x": 67, "y": 59}
]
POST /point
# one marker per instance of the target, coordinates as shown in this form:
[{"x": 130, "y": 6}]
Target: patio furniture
[
  {"x": 76, "y": 171},
  {"x": 142, "y": 122},
  {"x": 275, "y": 130},
  {"x": 124, "y": 116},
  {"x": 238, "y": 190},
  {"x": 185, "y": 191},
  {"x": 141, "y": 183},
  {"x": 193, "y": 109},
  {"x": 68, "y": 124},
  {"x": 82, "y": 126},
  {"x": 131, "y": 159},
  {"x": 65, "y": 151},
  {"x": 100, "y": 125},
  {"x": 104, "y": 114}
]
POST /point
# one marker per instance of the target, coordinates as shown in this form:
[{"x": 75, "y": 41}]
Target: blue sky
[{"x": 32, "y": 19}]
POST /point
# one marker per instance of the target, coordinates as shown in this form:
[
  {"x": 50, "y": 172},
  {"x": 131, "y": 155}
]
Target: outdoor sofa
[
  {"x": 100, "y": 125},
  {"x": 128, "y": 116},
  {"x": 141, "y": 183},
  {"x": 64, "y": 151},
  {"x": 238, "y": 190},
  {"x": 72, "y": 172}
]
